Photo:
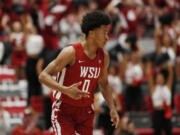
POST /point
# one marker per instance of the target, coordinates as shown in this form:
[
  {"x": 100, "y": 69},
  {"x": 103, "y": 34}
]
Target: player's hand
[
  {"x": 114, "y": 117},
  {"x": 75, "y": 93}
]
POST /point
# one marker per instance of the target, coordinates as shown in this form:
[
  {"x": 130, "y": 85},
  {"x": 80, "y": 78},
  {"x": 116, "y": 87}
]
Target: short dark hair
[{"x": 94, "y": 20}]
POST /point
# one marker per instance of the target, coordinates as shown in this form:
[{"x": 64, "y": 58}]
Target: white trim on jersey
[
  {"x": 54, "y": 93},
  {"x": 61, "y": 81},
  {"x": 76, "y": 133},
  {"x": 57, "y": 79},
  {"x": 55, "y": 124}
]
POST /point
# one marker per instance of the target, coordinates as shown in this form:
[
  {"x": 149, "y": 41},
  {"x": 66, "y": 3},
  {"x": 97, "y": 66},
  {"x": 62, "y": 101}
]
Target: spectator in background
[
  {"x": 127, "y": 12},
  {"x": 29, "y": 124},
  {"x": 50, "y": 14},
  {"x": 147, "y": 17},
  {"x": 70, "y": 30},
  {"x": 133, "y": 70},
  {"x": 114, "y": 80},
  {"x": 126, "y": 127},
  {"x": 82, "y": 9},
  {"x": 116, "y": 85},
  {"x": 123, "y": 126},
  {"x": 131, "y": 128},
  {"x": 166, "y": 45},
  {"x": 34, "y": 45},
  {"x": 16, "y": 37},
  {"x": 4, "y": 121},
  {"x": 166, "y": 42},
  {"x": 93, "y": 5},
  {"x": 18, "y": 56},
  {"x": 161, "y": 98}
]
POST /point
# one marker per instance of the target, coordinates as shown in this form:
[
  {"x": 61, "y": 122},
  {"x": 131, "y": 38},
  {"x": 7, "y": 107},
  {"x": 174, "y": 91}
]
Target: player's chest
[{"x": 89, "y": 69}]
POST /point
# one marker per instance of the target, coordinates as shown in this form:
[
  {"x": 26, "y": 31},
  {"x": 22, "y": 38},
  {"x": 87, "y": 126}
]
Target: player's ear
[{"x": 91, "y": 33}]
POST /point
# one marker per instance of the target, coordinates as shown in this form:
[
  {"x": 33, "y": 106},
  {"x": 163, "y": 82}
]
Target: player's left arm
[{"x": 106, "y": 91}]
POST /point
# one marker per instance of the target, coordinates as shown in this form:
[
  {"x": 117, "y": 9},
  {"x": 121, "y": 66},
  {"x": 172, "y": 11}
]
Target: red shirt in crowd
[
  {"x": 18, "y": 57},
  {"x": 130, "y": 19},
  {"x": 49, "y": 21},
  {"x": 20, "y": 130}
]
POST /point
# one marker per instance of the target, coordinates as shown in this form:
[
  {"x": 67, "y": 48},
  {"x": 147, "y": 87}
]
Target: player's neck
[{"x": 89, "y": 48}]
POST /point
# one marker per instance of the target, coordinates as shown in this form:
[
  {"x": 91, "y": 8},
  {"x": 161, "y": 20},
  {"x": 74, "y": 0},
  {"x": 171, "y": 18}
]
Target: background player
[{"x": 79, "y": 68}]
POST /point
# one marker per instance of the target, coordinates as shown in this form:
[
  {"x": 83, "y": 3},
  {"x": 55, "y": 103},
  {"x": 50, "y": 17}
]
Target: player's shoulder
[
  {"x": 72, "y": 48},
  {"x": 106, "y": 54},
  {"x": 66, "y": 55},
  {"x": 69, "y": 50}
]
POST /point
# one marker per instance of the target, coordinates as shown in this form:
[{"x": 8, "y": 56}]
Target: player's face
[{"x": 101, "y": 35}]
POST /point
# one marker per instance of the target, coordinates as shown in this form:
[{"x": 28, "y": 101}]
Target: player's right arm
[{"x": 66, "y": 57}]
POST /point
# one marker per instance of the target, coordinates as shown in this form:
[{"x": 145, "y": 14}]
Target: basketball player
[{"x": 79, "y": 69}]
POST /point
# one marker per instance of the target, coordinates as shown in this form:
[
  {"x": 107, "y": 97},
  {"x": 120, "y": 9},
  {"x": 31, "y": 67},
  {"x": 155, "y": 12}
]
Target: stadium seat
[
  {"x": 140, "y": 119},
  {"x": 144, "y": 131},
  {"x": 14, "y": 105},
  {"x": 7, "y": 73},
  {"x": 175, "y": 131}
]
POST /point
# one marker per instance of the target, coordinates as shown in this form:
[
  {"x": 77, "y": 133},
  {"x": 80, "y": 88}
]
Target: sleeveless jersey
[{"x": 85, "y": 70}]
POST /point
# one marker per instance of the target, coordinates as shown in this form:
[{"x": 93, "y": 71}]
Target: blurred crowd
[{"x": 33, "y": 32}]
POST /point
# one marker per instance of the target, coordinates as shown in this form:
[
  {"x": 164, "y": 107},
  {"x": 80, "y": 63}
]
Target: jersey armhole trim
[{"x": 74, "y": 63}]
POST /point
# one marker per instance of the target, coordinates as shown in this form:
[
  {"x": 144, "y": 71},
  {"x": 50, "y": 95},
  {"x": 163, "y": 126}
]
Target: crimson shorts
[{"x": 71, "y": 120}]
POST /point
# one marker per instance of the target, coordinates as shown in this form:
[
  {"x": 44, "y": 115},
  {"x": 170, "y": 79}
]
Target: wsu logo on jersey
[{"x": 90, "y": 72}]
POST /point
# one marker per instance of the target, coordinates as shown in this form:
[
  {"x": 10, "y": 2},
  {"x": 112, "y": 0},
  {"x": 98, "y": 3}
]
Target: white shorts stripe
[
  {"x": 58, "y": 128},
  {"x": 55, "y": 124}
]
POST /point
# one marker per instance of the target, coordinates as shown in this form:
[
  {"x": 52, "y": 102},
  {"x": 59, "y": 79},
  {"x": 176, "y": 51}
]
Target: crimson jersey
[{"x": 85, "y": 70}]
